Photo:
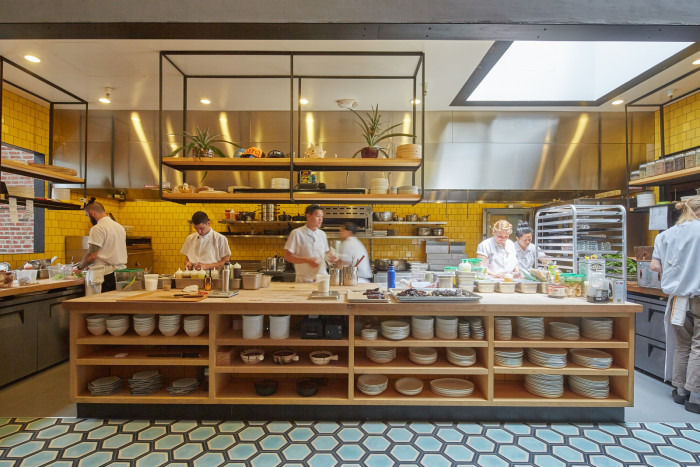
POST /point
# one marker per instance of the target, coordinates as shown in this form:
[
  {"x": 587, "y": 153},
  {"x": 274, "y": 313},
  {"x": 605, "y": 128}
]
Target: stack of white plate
[
  {"x": 408, "y": 190},
  {"x": 169, "y": 325},
  {"x": 452, "y": 387},
  {"x": 372, "y": 385},
  {"x": 97, "y": 324},
  {"x": 504, "y": 329},
  {"x": 194, "y": 324},
  {"x": 145, "y": 382},
  {"x": 280, "y": 183},
  {"x": 380, "y": 233},
  {"x": 477, "y": 327},
  {"x": 379, "y": 186},
  {"x": 594, "y": 386},
  {"x": 105, "y": 386},
  {"x": 117, "y": 325},
  {"x": 545, "y": 385},
  {"x": 509, "y": 357},
  {"x": 408, "y": 151},
  {"x": 461, "y": 356},
  {"x": 422, "y": 355},
  {"x": 446, "y": 327},
  {"x": 531, "y": 328},
  {"x": 564, "y": 331},
  {"x": 395, "y": 330},
  {"x": 144, "y": 325},
  {"x": 464, "y": 328},
  {"x": 408, "y": 386},
  {"x": 597, "y": 328},
  {"x": 381, "y": 354},
  {"x": 369, "y": 334},
  {"x": 183, "y": 386},
  {"x": 423, "y": 327},
  {"x": 551, "y": 358},
  {"x": 591, "y": 358}
]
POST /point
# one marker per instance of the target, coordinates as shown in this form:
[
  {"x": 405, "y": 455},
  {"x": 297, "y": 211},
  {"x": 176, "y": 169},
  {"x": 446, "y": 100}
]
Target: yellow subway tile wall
[
  {"x": 24, "y": 123},
  {"x": 681, "y": 126}
]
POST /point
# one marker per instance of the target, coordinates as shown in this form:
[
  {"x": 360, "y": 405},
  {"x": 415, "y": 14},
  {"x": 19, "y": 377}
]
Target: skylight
[{"x": 569, "y": 71}]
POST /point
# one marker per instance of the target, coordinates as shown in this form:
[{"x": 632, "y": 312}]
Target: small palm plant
[
  {"x": 201, "y": 144},
  {"x": 371, "y": 125}
]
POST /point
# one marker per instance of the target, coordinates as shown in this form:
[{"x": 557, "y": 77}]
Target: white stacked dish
[
  {"x": 595, "y": 386},
  {"x": 183, "y": 386},
  {"x": 564, "y": 331},
  {"x": 591, "y": 358},
  {"x": 169, "y": 325},
  {"x": 408, "y": 190},
  {"x": 646, "y": 199},
  {"x": 395, "y": 330},
  {"x": 464, "y": 328},
  {"x": 369, "y": 334},
  {"x": 551, "y": 386},
  {"x": 194, "y": 324},
  {"x": 550, "y": 358},
  {"x": 422, "y": 355},
  {"x": 97, "y": 324},
  {"x": 461, "y": 356},
  {"x": 252, "y": 326},
  {"x": 372, "y": 385},
  {"x": 477, "y": 328},
  {"x": 105, "y": 386},
  {"x": 503, "y": 329},
  {"x": 381, "y": 354},
  {"x": 409, "y": 386},
  {"x": 117, "y": 325},
  {"x": 512, "y": 357},
  {"x": 145, "y": 382},
  {"x": 423, "y": 327},
  {"x": 409, "y": 151},
  {"x": 144, "y": 325},
  {"x": 531, "y": 328},
  {"x": 280, "y": 183},
  {"x": 597, "y": 328},
  {"x": 379, "y": 186},
  {"x": 452, "y": 387},
  {"x": 446, "y": 327}
]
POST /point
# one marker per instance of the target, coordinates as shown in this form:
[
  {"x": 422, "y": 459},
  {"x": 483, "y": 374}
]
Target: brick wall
[{"x": 16, "y": 237}]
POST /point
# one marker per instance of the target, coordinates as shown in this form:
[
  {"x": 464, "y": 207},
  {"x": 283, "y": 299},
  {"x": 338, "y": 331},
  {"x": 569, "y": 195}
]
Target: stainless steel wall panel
[{"x": 439, "y": 127}]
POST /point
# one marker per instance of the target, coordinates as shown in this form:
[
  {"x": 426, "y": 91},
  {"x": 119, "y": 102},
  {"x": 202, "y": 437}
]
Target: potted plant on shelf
[
  {"x": 371, "y": 125},
  {"x": 201, "y": 144}
]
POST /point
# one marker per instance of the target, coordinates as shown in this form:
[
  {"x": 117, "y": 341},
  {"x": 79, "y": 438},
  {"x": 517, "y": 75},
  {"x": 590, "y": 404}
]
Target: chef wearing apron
[
  {"x": 205, "y": 248},
  {"x": 499, "y": 251},
  {"x": 307, "y": 246}
]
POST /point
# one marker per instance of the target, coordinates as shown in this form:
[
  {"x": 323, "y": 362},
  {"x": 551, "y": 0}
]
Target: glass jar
[
  {"x": 668, "y": 165},
  {"x": 635, "y": 175},
  {"x": 679, "y": 162},
  {"x": 690, "y": 159},
  {"x": 642, "y": 170},
  {"x": 697, "y": 158},
  {"x": 659, "y": 167}
]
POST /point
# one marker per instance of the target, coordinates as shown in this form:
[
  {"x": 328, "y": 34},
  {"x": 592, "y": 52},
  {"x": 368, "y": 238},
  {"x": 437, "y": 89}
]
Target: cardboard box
[{"x": 646, "y": 277}]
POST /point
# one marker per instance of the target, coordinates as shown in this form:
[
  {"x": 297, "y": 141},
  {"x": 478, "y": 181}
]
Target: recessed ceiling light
[
  {"x": 415, "y": 102},
  {"x": 617, "y": 102},
  {"x": 205, "y": 101},
  {"x": 105, "y": 100},
  {"x": 303, "y": 101},
  {"x": 31, "y": 58},
  {"x": 696, "y": 62}
]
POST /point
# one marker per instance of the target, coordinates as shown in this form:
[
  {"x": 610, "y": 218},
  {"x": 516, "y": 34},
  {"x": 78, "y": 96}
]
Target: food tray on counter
[
  {"x": 358, "y": 296},
  {"x": 465, "y": 296}
]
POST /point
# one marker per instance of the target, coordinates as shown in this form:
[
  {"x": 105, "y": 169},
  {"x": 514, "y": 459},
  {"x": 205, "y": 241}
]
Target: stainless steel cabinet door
[
  {"x": 18, "y": 340},
  {"x": 53, "y": 332}
]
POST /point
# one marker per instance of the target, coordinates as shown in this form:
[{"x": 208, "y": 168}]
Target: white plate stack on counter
[
  {"x": 477, "y": 328},
  {"x": 409, "y": 151},
  {"x": 591, "y": 358},
  {"x": 504, "y": 329},
  {"x": 452, "y": 387},
  {"x": 550, "y": 358},
  {"x": 423, "y": 327},
  {"x": 280, "y": 184},
  {"x": 379, "y": 186},
  {"x": 531, "y": 328},
  {"x": 395, "y": 330},
  {"x": 408, "y": 386},
  {"x": 372, "y": 385}
]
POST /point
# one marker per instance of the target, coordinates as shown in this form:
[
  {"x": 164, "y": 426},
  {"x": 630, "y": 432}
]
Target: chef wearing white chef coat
[
  {"x": 205, "y": 248},
  {"x": 307, "y": 247},
  {"x": 499, "y": 251}
]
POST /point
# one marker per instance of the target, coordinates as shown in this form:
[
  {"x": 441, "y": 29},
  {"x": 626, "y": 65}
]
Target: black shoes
[{"x": 678, "y": 399}]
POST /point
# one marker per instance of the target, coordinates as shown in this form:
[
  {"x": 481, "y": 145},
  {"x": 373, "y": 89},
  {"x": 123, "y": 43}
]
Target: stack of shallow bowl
[
  {"x": 422, "y": 355},
  {"x": 144, "y": 325},
  {"x": 464, "y": 328},
  {"x": 408, "y": 151},
  {"x": 509, "y": 357},
  {"x": 504, "y": 329},
  {"x": 117, "y": 325},
  {"x": 597, "y": 328},
  {"x": 477, "y": 327},
  {"x": 105, "y": 386},
  {"x": 408, "y": 386},
  {"x": 452, "y": 387},
  {"x": 280, "y": 183},
  {"x": 446, "y": 327},
  {"x": 379, "y": 186},
  {"x": 194, "y": 324},
  {"x": 591, "y": 358},
  {"x": 169, "y": 325},
  {"x": 395, "y": 330},
  {"x": 96, "y": 324},
  {"x": 408, "y": 190},
  {"x": 531, "y": 328},
  {"x": 564, "y": 331},
  {"x": 461, "y": 356},
  {"x": 550, "y": 358},
  {"x": 542, "y": 385},
  {"x": 381, "y": 354},
  {"x": 422, "y": 327},
  {"x": 594, "y": 386},
  {"x": 372, "y": 385}
]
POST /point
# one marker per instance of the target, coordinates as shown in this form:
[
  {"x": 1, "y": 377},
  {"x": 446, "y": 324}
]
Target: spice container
[
  {"x": 679, "y": 162},
  {"x": 690, "y": 159},
  {"x": 556, "y": 291},
  {"x": 697, "y": 158},
  {"x": 573, "y": 284},
  {"x": 659, "y": 167},
  {"x": 635, "y": 175},
  {"x": 668, "y": 164},
  {"x": 642, "y": 171}
]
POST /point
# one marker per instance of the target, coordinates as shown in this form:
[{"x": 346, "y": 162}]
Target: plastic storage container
[
  {"x": 642, "y": 170},
  {"x": 573, "y": 284},
  {"x": 128, "y": 279},
  {"x": 659, "y": 167},
  {"x": 506, "y": 287},
  {"x": 690, "y": 159},
  {"x": 679, "y": 162},
  {"x": 669, "y": 165},
  {"x": 26, "y": 276}
]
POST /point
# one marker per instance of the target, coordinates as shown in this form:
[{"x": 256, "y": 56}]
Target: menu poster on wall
[
  {"x": 13, "y": 210},
  {"x": 658, "y": 218}
]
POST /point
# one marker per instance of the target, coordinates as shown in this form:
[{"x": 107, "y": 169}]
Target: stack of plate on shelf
[
  {"x": 464, "y": 329},
  {"x": 381, "y": 354},
  {"x": 145, "y": 382},
  {"x": 183, "y": 386},
  {"x": 446, "y": 327},
  {"x": 452, "y": 387},
  {"x": 423, "y": 327},
  {"x": 144, "y": 325},
  {"x": 194, "y": 324},
  {"x": 564, "y": 331},
  {"x": 591, "y": 358},
  {"x": 551, "y": 358},
  {"x": 531, "y": 328},
  {"x": 422, "y": 355},
  {"x": 97, "y": 324},
  {"x": 477, "y": 327},
  {"x": 545, "y": 385},
  {"x": 379, "y": 186},
  {"x": 117, "y": 325},
  {"x": 595, "y": 386},
  {"x": 280, "y": 183},
  {"x": 395, "y": 330},
  {"x": 504, "y": 329},
  {"x": 380, "y": 233},
  {"x": 597, "y": 328},
  {"x": 169, "y": 325},
  {"x": 408, "y": 190},
  {"x": 509, "y": 357},
  {"x": 408, "y": 386},
  {"x": 372, "y": 385},
  {"x": 408, "y": 151},
  {"x": 369, "y": 334},
  {"x": 461, "y": 356},
  {"x": 105, "y": 386}
]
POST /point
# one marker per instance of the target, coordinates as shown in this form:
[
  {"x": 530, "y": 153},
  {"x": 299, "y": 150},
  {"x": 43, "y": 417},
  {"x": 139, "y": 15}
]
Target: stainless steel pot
[
  {"x": 424, "y": 231},
  {"x": 281, "y": 264},
  {"x": 424, "y": 218},
  {"x": 411, "y": 218},
  {"x": 438, "y": 231},
  {"x": 271, "y": 264},
  {"x": 383, "y": 216}
]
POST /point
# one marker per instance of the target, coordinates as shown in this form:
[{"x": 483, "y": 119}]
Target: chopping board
[{"x": 162, "y": 296}]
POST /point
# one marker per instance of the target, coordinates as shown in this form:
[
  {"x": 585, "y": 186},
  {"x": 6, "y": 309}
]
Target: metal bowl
[
  {"x": 383, "y": 216},
  {"x": 424, "y": 231}
]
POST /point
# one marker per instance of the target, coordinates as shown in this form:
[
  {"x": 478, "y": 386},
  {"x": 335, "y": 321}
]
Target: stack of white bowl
[
  {"x": 408, "y": 190},
  {"x": 509, "y": 357},
  {"x": 369, "y": 334},
  {"x": 422, "y": 355},
  {"x": 409, "y": 386},
  {"x": 194, "y": 324},
  {"x": 96, "y": 324},
  {"x": 169, "y": 325},
  {"x": 381, "y": 354},
  {"x": 461, "y": 356},
  {"x": 144, "y": 325},
  {"x": 595, "y": 386},
  {"x": 597, "y": 328},
  {"x": 542, "y": 385},
  {"x": 280, "y": 184},
  {"x": 477, "y": 327},
  {"x": 372, "y": 385},
  {"x": 409, "y": 151},
  {"x": 117, "y": 325},
  {"x": 379, "y": 186},
  {"x": 422, "y": 327},
  {"x": 504, "y": 329},
  {"x": 446, "y": 327},
  {"x": 395, "y": 330}
]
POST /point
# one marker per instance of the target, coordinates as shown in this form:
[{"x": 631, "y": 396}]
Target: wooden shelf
[
  {"x": 235, "y": 222},
  {"x": 410, "y": 223},
  {"x": 131, "y": 338},
  {"x": 409, "y": 237},
  {"x": 392, "y": 397},
  {"x": 225, "y": 163},
  {"x": 235, "y": 337},
  {"x": 549, "y": 342},
  {"x": 44, "y": 203},
  {"x": 377, "y": 237},
  {"x": 401, "y": 365},
  {"x": 355, "y": 198},
  {"x": 138, "y": 356},
  {"x": 514, "y": 393},
  {"x": 413, "y": 342},
  {"x": 680, "y": 176},
  {"x": 358, "y": 164},
  {"x": 125, "y": 397},
  {"x": 242, "y": 391},
  {"x": 43, "y": 173},
  {"x": 304, "y": 365},
  {"x": 569, "y": 369},
  {"x": 227, "y": 197}
]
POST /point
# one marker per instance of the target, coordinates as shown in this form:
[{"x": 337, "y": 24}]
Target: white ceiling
[{"x": 131, "y": 68}]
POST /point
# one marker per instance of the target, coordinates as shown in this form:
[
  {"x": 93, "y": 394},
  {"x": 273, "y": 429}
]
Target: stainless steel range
[{"x": 336, "y": 216}]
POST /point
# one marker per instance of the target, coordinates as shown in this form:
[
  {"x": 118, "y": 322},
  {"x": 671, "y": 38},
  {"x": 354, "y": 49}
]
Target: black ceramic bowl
[
  {"x": 266, "y": 387},
  {"x": 307, "y": 387}
]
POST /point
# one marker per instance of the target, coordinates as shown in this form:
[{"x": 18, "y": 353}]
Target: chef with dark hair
[{"x": 205, "y": 248}]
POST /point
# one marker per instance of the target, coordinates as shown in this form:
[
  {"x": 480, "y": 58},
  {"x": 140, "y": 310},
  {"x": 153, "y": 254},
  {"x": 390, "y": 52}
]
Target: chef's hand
[
  {"x": 499, "y": 275},
  {"x": 197, "y": 266},
  {"x": 188, "y": 265},
  {"x": 76, "y": 270},
  {"x": 315, "y": 262}
]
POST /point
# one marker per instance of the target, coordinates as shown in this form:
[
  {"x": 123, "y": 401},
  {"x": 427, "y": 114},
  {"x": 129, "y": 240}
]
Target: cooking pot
[
  {"x": 246, "y": 216},
  {"x": 424, "y": 218},
  {"x": 299, "y": 218},
  {"x": 284, "y": 217},
  {"x": 423, "y": 231},
  {"x": 438, "y": 231},
  {"x": 383, "y": 216},
  {"x": 271, "y": 264},
  {"x": 383, "y": 264},
  {"x": 412, "y": 218}
]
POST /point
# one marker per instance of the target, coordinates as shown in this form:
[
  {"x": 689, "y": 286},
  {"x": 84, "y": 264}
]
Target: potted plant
[
  {"x": 201, "y": 144},
  {"x": 371, "y": 125}
]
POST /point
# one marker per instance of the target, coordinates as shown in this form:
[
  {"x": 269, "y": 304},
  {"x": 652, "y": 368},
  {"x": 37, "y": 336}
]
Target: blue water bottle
[{"x": 391, "y": 276}]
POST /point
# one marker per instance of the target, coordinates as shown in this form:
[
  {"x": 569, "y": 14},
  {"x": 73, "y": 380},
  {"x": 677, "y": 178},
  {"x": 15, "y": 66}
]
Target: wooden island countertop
[{"x": 41, "y": 285}]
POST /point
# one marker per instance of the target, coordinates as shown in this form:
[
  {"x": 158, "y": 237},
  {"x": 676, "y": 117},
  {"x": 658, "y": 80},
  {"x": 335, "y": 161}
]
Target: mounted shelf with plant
[
  {"x": 202, "y": 144},
  {"x": 371, "y": 125}
]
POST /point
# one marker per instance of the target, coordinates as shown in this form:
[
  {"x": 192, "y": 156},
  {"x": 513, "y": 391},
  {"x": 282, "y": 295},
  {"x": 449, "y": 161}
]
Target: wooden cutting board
[{"x": 162, "y": 296}]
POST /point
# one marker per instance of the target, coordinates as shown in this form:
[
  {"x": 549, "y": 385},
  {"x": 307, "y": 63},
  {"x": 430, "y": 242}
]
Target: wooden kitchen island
[{"x": 227, "y": 388}]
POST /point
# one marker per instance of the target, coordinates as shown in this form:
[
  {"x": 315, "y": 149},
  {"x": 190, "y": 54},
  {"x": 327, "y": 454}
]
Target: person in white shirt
[
  {"x": 352, "y": 250},
  {"x": 307, "y": 247},
  {"x": 106, "y": 247},
  {"x": 205, "y": 248},
  {"x": 498, "y": 252},
  {"x": 524, "y": 249}
]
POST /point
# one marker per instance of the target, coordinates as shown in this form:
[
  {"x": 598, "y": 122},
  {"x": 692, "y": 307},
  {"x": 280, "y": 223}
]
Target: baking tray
[
  {"x": 357, "y": 296},
  {"x": 332, "y": 295},
  {"x": 471, "y": 297}
]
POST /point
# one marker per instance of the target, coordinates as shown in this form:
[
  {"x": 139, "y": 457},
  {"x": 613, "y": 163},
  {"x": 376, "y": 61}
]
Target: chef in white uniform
[
  {"x": 524, "y": 248},
  {"x": 498, "y": 252},
  {"x": 307, "y": 247},
  {"x": 205, "y": 248},
  {"x": 352, "y": 250}
]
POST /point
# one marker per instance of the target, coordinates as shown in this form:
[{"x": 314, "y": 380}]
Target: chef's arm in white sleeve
[{"x": 294, "y": 259}]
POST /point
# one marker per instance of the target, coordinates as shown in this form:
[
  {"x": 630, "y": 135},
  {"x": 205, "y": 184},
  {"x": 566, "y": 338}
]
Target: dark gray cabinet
[
  {"x": 53, "y": 326},
  {"x": 18, "y": 339},
  {"x": 650, "y": 336}
]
